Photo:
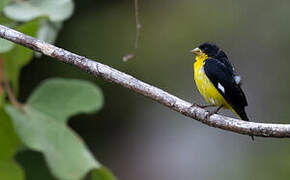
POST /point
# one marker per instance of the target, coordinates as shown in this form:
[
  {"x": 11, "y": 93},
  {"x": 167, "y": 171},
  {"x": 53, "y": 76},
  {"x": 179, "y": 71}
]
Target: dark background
[{"x": 138, "y": 138}]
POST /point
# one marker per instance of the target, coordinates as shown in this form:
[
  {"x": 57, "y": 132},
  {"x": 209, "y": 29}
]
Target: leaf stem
[{"x": 11, "y": 96}]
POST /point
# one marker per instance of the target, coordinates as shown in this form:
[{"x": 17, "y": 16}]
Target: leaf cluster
[{"x": 41, "y": 122}]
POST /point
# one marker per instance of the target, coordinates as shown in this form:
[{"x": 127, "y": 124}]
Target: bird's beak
[{"x": 196, "y": 51}]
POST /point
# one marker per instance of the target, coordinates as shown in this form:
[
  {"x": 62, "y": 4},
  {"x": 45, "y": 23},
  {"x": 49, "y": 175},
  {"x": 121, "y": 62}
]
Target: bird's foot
[
  {"x": 202, "y": 106},
  {"x": 210, "y": 113}
]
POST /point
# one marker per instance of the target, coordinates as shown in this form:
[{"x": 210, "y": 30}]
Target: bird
[{"x": 217, "y": 80}]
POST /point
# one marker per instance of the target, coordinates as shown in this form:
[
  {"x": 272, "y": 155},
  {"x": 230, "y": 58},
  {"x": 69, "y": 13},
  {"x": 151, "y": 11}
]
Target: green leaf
[
  {"x": 62, "y": 98},
  {"x": 19, "y": 56},
  {"x": 9, "y": 169},
  {"x": 102, "y": 174},
  {"x": 5, "y": 21},
  {"x": 3, "y": 3},
  {"x": 56, "y": 10},
  {"x": 8, "y": 138},
  {"x": 48, "y": 31},
  {"x": 2, "y": 98},
  {"x": 43, "y": 125},
  {"x": 8, "y": 143},
  {"x": 5, "y": 45}
]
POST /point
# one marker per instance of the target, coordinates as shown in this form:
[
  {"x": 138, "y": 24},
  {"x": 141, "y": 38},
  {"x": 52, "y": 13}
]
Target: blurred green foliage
[
  {"x": 9, "y": 142},
  {"x": 19, "y": 56},
  {"x": 40, "y": 123},
  {"x": 43, "y": 125},
  {"x": 102, "y": 173},
  {"x": 55, "y": 10}
]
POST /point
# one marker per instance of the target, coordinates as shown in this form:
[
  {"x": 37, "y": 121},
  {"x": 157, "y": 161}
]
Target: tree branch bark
[{"x": 154, "y": 93}]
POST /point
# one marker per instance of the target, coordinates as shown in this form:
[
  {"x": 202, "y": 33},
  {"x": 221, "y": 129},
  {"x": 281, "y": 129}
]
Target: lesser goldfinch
[{"x": 217, "y": 80}]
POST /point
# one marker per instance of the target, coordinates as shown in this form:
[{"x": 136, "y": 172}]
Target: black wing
[
  {"x": 222, "y": 57},
  {"x": 223, "y": 79}
]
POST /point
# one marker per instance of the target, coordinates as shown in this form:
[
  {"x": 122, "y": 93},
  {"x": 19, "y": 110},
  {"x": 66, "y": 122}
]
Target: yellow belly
[{"x": 206, "y": 88}]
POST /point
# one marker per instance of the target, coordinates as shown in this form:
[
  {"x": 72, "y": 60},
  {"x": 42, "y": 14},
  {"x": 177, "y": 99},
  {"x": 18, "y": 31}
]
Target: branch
[{"x": 125, "y": 80}]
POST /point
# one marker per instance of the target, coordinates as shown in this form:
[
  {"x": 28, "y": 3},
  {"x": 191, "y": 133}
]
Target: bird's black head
[{"x": 209, "y": 49}]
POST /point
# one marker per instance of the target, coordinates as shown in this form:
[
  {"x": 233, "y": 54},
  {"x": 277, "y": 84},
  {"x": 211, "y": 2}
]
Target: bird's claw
[
  {"x": 197, "y": 105},
  {"x": 201, "y": 106},
  {"x": 209, "y": 114}
]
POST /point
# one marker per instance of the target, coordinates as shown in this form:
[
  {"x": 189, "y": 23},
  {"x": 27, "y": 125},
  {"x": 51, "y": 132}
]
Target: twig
[
  {"x": 11, "y": 95},
  {"x": 154, "y": 93},
  {"x": 138, "y": 24},
  {"x": 4, "y": 84},
  {"x": 138, "y": 28}
]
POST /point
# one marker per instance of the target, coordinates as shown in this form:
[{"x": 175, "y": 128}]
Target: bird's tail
[{"x": 241, "y": 113}]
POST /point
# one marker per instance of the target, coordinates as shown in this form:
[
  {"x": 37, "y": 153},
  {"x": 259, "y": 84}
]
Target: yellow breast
[{"x": 204, "y": 85}]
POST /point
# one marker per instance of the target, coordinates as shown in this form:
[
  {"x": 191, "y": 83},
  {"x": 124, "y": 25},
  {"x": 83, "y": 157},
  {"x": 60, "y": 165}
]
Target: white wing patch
[
  {"x": 237, "y": 79},
  {"x": 221, "y": 88}
]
